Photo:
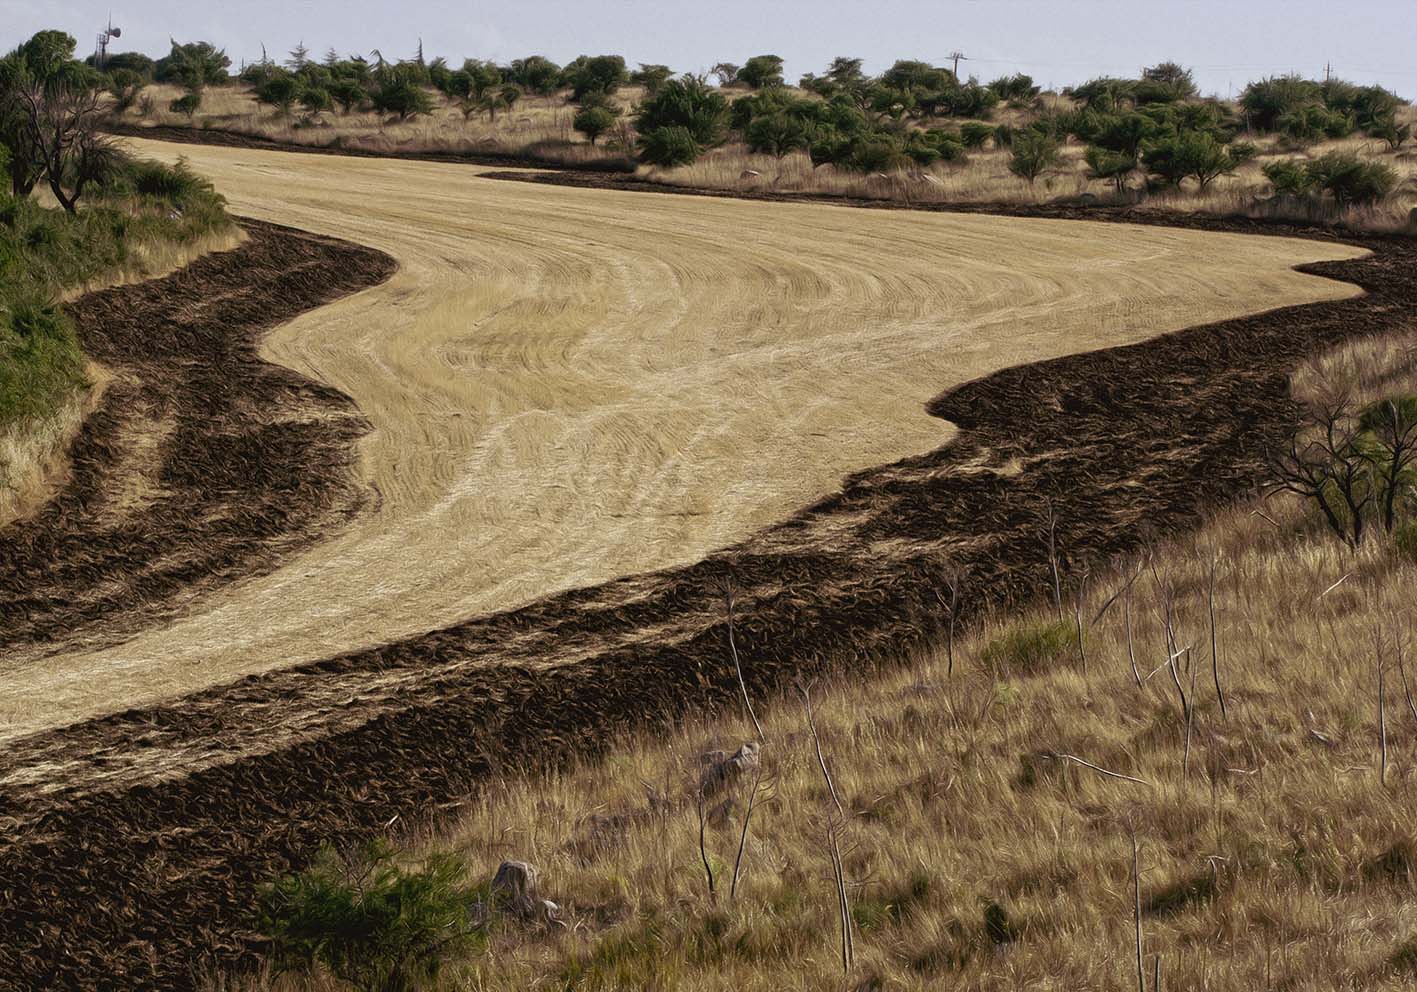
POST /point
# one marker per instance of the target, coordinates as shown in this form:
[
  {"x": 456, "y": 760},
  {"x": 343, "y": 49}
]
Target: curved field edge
[
  {"x": 202, "y": 462},
  {"x": 143, "y": 861},
  {"x": 240, "y": 139}
]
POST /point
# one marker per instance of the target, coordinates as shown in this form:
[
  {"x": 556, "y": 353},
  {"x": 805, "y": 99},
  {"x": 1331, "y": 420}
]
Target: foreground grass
[{"x": 989, "y": 813}]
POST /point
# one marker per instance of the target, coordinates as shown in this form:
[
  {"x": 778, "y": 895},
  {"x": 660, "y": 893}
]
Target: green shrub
[
  {"x": 1025, "y": 648},
  {"x": 1112, "y": 166},
  {"x": 1306, "y": 125},
  {"x": 1197, "y": 155},
  {"x": 1350, "y": 180},
  {"x": 689, "y": 103},
  {"x": 1266, "y": 101},
  {"x": 188, "y": 103},
  {"x": 668, "y": 146},
  {"x": 1033, "y": 154},
  {"x": 761, "y": 71},
  {"x": 593, "y": 122},
  {"x": 974, "y": 134},
  {"x": 1288, "y": 177},
  {"x": 375, "y": 926},
  {"x": 776, "y": 134}
]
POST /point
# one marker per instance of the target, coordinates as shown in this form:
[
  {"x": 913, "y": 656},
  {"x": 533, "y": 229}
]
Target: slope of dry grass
[{"x": 990, "y": 811}]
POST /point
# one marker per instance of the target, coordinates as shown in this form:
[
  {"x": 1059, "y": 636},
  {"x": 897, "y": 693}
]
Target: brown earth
[{"x": 133, "y": 842}]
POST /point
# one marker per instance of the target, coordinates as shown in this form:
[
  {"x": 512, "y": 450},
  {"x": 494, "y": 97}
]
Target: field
[
  {"x": 449, "y": 476},
  {"x": 569, "y": 386}
]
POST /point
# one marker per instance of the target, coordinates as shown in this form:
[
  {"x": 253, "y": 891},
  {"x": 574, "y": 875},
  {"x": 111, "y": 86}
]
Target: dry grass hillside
[
  {"x": 541, "y": 127},
  {"x": 1021, "y": 814}
]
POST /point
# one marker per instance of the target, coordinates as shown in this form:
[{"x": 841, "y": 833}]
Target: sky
[{"x": 1227, "y": 42}]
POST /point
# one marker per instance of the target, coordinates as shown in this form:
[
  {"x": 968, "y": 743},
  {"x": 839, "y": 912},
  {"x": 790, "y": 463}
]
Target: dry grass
[
  {"x": 539, "y": 126},
  {"x": 981, "y": 849},
  {"x": 568, "y": 386}
]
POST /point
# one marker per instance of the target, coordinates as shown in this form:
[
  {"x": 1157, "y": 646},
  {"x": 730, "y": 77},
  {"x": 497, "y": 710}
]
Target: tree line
[{"x": 1155, "y": 127}]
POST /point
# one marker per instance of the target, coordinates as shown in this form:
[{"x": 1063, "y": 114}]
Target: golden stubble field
[{"x": 572, "y": 385}]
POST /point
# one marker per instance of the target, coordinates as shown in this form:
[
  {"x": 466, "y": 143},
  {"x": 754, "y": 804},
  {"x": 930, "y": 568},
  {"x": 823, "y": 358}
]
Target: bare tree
[
  {"x": 1393, "y": 426},
  {"x": 1325, "y": 464},
  {"x": 51, "y": 103}
]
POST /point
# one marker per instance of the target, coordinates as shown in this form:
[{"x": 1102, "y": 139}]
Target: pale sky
[{"x": 1228, "y": 42}]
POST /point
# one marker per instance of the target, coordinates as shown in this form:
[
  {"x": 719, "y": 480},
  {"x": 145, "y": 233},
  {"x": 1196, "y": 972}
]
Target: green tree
[
  {"x": 593, "y": 122},
  {"x": 193, "y": 65},
  {"x": 348, "y": 93},
  {"x": 1267, "y": 100},
  {"x": 1350, "y": 180},
  {"x": 124, "y": 85},
  {"x": 397, "y": 91},
  {"x": 651, "y": 77},
  {"x": 688, "y": 102},
  {"x": 669, "y": 146},
  {"x": 1113, "y": 166},
  {"x": 603, "y": 74},
  {"x": 1034, "y": 153},
  {"x": 776, "y": 134},
  {"x": 1197, "y": 155},
  {"x": 280, "y": 90},
  {"x": 535, "y": 74},
  {"x": 761, "y": 71},
  {"x": 726, "y": 73}
]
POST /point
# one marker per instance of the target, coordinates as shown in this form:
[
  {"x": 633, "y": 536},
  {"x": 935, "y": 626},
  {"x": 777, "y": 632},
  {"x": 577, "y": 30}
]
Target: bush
[
  {"x": 1350, "y": 180},
  {"x": 761, "y": 71},
  {"x": 1306, "y": 125},
  {"x": 1267, "y": 100},
  {"x": 1034, "y": 154},
  {"x": 397, "y": 91},
  {"x": 1197, "y": 155},
  {"x": 1389, "y": 130},
  {"x": 973, "y": 134},
  {"x": 1025, "y": 648},
  {"x": 188, "y": 103},
  {"x": 776, "y": 134},
  {"x": 688, "y": 103},
  {"x": 1109, "y": 165},
  {"x": 669, "y": 146},
  {"x": 280, "y": 90},
  {"x": 603, "y": 74},
  {"x": 1404, "y": 538},
  {"x": 377, "y": 927},
  {"x": 593, "y": 122},
  {"x": 1288, "y": 177}
]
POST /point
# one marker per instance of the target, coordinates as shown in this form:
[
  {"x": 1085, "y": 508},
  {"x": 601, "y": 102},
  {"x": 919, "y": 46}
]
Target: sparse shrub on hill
[
  {"x": 374, "y": 925},
  {"x": 1114, "y": 167},
  {"x": 776, "y": 134},
  {"x": 1017, "y": 89},
  {"x": 1396, "y": 135},
  {"x": 197, "y": 63},
  {"x": 1288, "y": 177}
]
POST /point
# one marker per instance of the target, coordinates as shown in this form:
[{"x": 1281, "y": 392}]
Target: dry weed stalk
[
  {"x": 1050, "y": 523},
  {"x": 835, "y": 824},
  {"x": 737, "y": 667},
  {"x": 1214, "y": 644},
  {"x": 953, "y": 578},
  {"x": 1136, "y": 907},
  {"x": 743, "y": 837},
  {"x": 1382, "y": 709},
  {"x": 703, "y": 848}
]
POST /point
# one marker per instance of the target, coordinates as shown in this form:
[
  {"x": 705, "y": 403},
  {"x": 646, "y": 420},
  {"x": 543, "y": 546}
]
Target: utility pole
[
  {"x": 957, "y": 55},
  {"x": 1328, "y": 71}
]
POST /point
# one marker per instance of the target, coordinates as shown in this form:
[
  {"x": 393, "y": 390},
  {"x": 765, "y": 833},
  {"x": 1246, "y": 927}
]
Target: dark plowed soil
[
  {"x": 236, "y": 139},
  {"x": 203, "y": 463},
  {"x": 132, "y": 843}
]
